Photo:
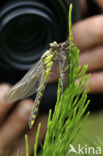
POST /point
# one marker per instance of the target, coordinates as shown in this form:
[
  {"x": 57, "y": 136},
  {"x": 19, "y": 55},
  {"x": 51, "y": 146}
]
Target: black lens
[
  {"x": 27, "y": 28},
  {"x": 25, "y": 34}
]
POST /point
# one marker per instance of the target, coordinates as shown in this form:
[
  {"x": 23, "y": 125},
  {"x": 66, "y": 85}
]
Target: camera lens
[
  {"x": 25, "y": 38},
  {"x": 23, "y": 35},
  {"x": 26, "y": 29}
]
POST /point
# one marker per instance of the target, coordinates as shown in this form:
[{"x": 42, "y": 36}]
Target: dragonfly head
[
  {"x": 54, "y": 45},
  {"x": 53, "y": 48}
]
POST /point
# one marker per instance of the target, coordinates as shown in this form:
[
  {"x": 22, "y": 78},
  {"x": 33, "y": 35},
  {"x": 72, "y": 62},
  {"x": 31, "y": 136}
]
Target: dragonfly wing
[{"x": 27, "y": 86}]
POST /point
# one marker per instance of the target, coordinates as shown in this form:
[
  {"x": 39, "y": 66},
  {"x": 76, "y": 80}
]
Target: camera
[{"x": 26, "y": 29}]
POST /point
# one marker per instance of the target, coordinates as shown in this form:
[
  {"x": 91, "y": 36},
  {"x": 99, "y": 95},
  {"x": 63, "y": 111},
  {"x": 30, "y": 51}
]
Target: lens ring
[
  {"x": 14, "y": 50},
  {"x": 48, "y": 37}
]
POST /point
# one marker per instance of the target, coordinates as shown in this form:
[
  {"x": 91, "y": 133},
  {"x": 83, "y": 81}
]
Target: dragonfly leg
[{"x": 67, "y": 48}]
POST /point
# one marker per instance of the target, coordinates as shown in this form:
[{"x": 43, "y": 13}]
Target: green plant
[{"x": 67, "y": 119}]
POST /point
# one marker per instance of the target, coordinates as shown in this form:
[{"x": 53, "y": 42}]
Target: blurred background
[{"x": 26, "y": 29}]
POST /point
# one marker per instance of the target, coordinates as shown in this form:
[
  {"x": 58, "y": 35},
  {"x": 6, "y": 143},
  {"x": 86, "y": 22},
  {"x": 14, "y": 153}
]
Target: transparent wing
[{"x": 27, "y": 86}]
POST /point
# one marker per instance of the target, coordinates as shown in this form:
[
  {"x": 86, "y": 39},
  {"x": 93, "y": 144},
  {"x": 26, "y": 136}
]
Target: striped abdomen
[
  {"x": 36, "y": 104},
  {"x": 48, "y": 67}
]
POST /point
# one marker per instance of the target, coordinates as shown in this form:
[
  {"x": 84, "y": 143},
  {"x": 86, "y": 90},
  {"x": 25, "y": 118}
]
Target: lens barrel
[{"x": 26, "y": 29}]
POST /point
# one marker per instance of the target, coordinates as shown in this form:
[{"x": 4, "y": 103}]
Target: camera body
[{"x": 26, "y": 29}]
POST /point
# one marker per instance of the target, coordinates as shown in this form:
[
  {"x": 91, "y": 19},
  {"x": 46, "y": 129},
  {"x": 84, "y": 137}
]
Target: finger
[
  {"x": 96, "y": 82},
  {"x": 100, "y": 4},
  {"x": 92, "y": 57},
  {"x": 88, "y": 33},
  {"x": 20, "y": 145},
  {"x": 16, "y": 123},
  {"x": 83, "y": 7},
  {"x": 55, "y": 76},
  {"x": 3, "y": 106}
]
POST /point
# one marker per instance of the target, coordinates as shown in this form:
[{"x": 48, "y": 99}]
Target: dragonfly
[{"x": 37, "y": 77}]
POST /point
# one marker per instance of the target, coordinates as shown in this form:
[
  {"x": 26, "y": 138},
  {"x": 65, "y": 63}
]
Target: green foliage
[
  {"x": 27, "y": 148},
  {"x": 17, "y": 153},
  {"x": 67, "y": 119},
  {"x": 36, "y": 140}
]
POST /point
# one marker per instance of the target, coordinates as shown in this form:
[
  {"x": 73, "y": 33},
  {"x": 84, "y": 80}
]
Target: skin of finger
[
  {"x": 15, "y": 124},
  {"x": 83, "y": 7},
  {"x": 96, "y": 80},
  {"x": 93, "y": 57},
  {"x": 100, "y": 4},
  {"x": 3, "y": 106},
  {"x": 20, "y": 145},
  {"x": 55, "y": 76},
  {"x": 88, "y": 33}
]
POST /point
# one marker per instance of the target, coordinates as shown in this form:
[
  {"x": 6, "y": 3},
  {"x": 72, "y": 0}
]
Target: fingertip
[
  {"x": 5, "y": 85},
  {"x": 93, "y": 35},
  {"x": 3, "y": 89},
  {"x": 25, "y": 108}
]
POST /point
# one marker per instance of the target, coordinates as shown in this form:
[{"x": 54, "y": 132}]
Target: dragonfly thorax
[
  {"x": 49, "y": 59},
  {"x": 46, "y": 54}
]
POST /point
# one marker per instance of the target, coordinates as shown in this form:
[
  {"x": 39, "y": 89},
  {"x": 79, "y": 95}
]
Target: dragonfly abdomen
[
  {"x": 48, "y": 68},
  {"x": 36, "y": 105}
]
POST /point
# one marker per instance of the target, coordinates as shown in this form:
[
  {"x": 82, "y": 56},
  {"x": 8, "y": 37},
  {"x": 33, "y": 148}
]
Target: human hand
[
  {"x": 88, "y": 36},
  {"x": 100, "y": 4},
  {"x": 13, "y": 125},
  {"x": 85, "y": 9}
]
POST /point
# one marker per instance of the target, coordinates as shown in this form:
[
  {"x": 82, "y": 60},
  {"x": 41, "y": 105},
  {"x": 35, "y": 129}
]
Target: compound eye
[
  {"x": 54, "y": 45},
  {"x": 51, "y": 45}
]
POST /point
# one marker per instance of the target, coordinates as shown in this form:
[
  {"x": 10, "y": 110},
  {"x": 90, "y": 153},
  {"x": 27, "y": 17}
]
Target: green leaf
[{"x": 27, "y": 147}]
